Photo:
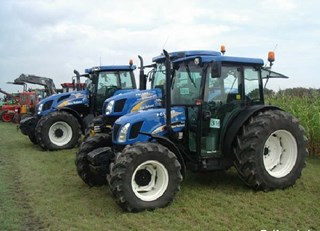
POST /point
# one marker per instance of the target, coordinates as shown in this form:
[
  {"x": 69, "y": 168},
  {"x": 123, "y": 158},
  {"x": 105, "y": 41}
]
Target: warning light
[
  {"x": 271, "y": 56},
  {"x": 130, "y": 62},
  {"x": 223, "y": 49}
]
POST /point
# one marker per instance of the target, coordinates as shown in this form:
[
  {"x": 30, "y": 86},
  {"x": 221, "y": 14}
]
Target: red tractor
[{"x": 25, "y": 102}]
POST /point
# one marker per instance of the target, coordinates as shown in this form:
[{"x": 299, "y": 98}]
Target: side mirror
[
  {"x": 94, "y": 78},
  {"x": 216, "y": 70}
]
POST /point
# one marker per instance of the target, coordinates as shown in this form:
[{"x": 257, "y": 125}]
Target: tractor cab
[
  {"x": 214, "y": 90},
  {"x": 106, "y": 81}
]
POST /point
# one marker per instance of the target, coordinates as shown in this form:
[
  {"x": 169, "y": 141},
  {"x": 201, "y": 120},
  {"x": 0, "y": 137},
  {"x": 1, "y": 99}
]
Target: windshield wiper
[{"x": 189, "y": 75}]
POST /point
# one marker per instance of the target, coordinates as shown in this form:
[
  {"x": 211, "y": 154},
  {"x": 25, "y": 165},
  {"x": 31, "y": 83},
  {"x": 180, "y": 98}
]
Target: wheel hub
[
  {"x": 58, "y": 133},
  {"x": 143, "y": 177}
]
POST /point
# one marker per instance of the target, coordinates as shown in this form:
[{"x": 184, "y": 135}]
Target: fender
[
  {"x": 83, "y": 121},
  {"x": 229, "y": 133},
  {"x": 172, "y": 147}
]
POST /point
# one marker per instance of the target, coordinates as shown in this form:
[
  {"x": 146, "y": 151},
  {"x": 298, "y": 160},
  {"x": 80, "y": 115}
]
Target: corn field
[{"x": 305, "y": 105}]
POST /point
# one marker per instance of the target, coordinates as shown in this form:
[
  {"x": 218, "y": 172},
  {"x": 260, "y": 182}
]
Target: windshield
[
  {"x": 119, "y": 79},
  {"x": 186, "y": 82},
  {"x": 159, "y": 75}
]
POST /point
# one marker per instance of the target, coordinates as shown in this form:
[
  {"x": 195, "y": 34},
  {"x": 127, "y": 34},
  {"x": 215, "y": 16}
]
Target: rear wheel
[
  {"x": 58, "y": 130},
  {"x": 145, "y": 176},
  {"x": 270, "y": 151},
  {"x": 7, "y": 116},
  {"x": 82, "y": 163}
]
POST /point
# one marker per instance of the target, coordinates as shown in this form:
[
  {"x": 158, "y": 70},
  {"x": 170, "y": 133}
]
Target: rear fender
[
  {"x": 76, "y": 114},
  {"x": 229, "y": 134}
]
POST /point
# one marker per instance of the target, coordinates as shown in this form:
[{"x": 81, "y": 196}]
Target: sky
[{"x": 51, "y": 38}]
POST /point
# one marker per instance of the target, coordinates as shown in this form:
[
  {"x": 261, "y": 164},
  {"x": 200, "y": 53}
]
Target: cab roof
[
  {"x": 110, "y": 68},
  {"x": 181, "y": 54},
  {"x": 221, "y": 58}
]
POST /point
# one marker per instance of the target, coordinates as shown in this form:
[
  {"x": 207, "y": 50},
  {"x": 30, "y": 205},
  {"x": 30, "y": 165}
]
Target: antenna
[
  {"x": 165, "y": 42},
  {"x": 100, "y": 61},
  {"x": 275, "y": 47}
]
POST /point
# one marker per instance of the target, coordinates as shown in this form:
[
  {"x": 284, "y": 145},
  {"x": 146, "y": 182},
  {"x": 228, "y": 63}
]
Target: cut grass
[{"x": 42, "y": 191}]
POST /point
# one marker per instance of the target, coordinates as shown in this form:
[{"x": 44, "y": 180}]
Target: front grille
[
  {"x": 135, "y": 129},
  {"x": 118, "y": 106},
  {"x": 47, "y": 105},
  {"x": 116, "y": 128}
]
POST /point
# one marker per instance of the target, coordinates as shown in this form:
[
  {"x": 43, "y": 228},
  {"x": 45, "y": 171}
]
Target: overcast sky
[{"x": 51, "y": 38}]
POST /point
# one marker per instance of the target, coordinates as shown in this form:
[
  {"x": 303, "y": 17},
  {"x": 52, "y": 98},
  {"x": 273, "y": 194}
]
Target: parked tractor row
[
  {"x": 204, "y": 111},
  {"x": 213, "y": 117}
]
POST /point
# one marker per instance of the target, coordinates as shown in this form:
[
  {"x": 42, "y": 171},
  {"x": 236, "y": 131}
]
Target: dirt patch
[{"x": 29, "y": 220}]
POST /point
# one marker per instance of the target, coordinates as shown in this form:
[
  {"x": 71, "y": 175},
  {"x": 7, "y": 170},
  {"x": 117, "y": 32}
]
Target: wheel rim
[
  {"x": 60, "y": 133},
  {"x": 280, "y": 153},
  {"x": 150, "y": 180}
]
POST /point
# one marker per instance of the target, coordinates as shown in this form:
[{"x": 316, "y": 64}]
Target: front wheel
[
  {"x": 58, "y": 130},
  {"x": 145, "y": 176},
  {"x": 270, "y": 151},
  {"x": 82, "y": 163}
]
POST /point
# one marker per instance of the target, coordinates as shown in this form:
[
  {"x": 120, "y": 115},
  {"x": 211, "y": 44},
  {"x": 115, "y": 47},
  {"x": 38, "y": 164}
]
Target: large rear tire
[
  {"x": 145, "y": 176},
  {"x": 82, "y": 163},
  {"x": 58, "y": 130},
  {"x": 270, "y": 150}
]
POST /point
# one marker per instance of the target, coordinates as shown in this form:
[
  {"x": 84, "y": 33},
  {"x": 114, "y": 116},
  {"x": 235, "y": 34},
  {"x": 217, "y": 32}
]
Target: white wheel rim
[
  {"x": 60, "y": 133},
  {"x": 150, "y": 180},
  {"x": 280, "y": 153}
]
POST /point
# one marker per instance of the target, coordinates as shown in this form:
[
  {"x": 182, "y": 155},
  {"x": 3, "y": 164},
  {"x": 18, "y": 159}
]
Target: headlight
[
  {"x": 123, "y": 133},
  {"x": 40, "y": 108},
  {"x": 109, "y": 107}
]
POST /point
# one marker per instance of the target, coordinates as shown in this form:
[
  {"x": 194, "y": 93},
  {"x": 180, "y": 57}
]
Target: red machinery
[{"x": 25, "y": 102}]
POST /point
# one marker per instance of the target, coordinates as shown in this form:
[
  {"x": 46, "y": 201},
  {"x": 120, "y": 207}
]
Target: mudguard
[
  {"x": 229, "y": 133},
  {"x": 28, "y": 125}
]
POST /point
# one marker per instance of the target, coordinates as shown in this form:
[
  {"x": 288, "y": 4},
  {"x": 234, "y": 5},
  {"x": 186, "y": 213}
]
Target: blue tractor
[
  {"x": 119, "y": 105},
  {"x": 214, "y": 118},
  {"x": 61, "y": 119}
]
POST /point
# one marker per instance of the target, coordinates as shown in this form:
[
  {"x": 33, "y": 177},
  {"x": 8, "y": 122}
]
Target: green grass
[{"x": 42, "y": 191}]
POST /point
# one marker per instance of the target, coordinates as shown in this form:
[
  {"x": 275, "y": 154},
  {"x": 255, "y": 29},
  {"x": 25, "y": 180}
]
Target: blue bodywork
[
  {"x": 57, "y": 101},
  {"x": 149, "y": 121},
  {"x": 133, "y": 101}
]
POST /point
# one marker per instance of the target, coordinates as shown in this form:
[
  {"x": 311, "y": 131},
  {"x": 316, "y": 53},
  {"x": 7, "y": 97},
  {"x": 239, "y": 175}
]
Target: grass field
[{"x": 42, "y": 191}]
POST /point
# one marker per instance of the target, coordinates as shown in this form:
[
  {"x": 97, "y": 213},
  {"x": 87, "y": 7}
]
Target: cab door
[{"x": 222, "y": 95}]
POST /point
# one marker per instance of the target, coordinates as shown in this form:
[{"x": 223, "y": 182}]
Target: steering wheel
[{"x": 111, "y": 90}]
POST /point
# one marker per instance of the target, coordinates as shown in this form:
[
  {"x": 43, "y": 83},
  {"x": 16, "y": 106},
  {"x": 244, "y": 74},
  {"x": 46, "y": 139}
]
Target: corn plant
[{"x": 305, "y": 105}]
